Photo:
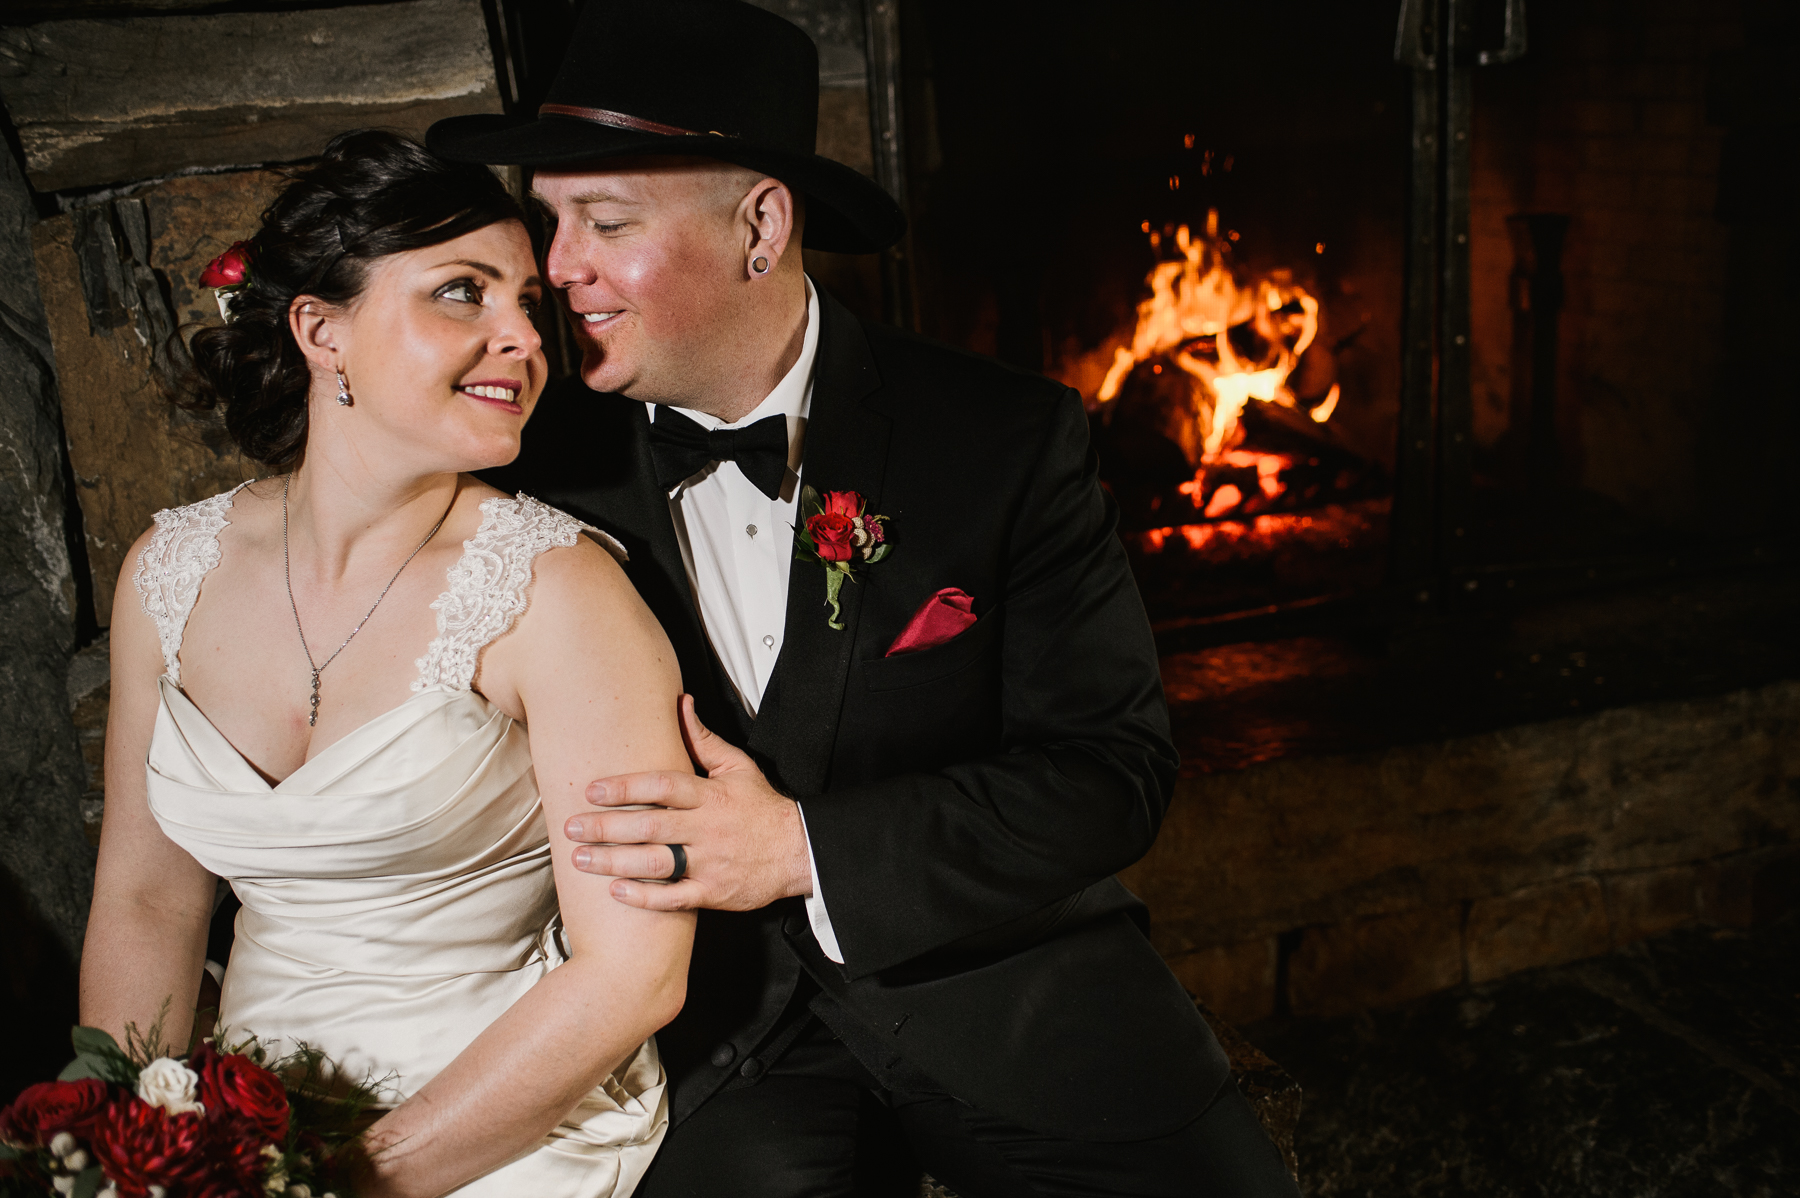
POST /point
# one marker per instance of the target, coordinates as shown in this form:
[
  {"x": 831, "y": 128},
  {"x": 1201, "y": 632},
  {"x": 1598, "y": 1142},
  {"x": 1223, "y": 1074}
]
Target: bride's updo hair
[{"x": 371, "y": 194}]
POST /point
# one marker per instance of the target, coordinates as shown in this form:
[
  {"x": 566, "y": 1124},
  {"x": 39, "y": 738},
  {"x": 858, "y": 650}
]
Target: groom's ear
[{"x": 773, "y": 217}]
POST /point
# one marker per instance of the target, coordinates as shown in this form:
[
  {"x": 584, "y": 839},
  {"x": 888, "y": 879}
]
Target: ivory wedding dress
[{"x": 397, "y": 893}]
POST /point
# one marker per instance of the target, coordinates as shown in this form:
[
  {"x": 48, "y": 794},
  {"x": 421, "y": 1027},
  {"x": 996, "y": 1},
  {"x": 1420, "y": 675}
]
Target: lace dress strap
[
  {"x": 486, "y": 588},
  {"x": 184, "y": 547}
]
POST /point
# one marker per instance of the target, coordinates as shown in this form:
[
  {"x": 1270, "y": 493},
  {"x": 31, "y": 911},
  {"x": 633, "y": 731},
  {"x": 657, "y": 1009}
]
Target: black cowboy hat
[{"x": 713, "y": 78}]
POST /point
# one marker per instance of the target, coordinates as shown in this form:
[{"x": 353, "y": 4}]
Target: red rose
[
  {"x": 138, "y": 1146},
  {"x": 235, "y": 1087},
  {"x": 843, "y": 503},
  {"x": 49, "y": 1107},
  {"x": 831, "y": 533},
  {"x": 230, "y": 269}
]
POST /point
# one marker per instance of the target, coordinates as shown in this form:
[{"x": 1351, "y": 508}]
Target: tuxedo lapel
[
  {"x": 846, "y": 450},
  {"x": 666, "y": 588}
]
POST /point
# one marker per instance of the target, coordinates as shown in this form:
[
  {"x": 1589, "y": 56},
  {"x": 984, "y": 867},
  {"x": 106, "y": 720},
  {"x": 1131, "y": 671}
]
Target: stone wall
[
  {"x": 1322, "y": 885},
  {"x": 46, "y": 868},
  {"x": 118, "y": 276}
]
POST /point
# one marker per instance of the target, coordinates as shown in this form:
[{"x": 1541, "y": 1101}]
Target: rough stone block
[
  {"x": 1548, "y": 925},
  {"x": 116, "y": 278},
  {"x": 1724, "y": 889},
  {"x": 1651, "y": 902},
  {"x": 1316, "y": 841},
  {"x": 112, "y": 101},
  {"x": 1763, "y": 886},
  {"x": 1236, "y": 980},
  {"x": 46, "y": 871},
  {"x": 1376, "y": 961},
  {"x": 90, "y": 694}
]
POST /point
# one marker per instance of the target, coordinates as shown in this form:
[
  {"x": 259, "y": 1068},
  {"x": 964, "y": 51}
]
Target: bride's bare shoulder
[
  {"x": 582, "y": 572},
  {"x": 579, "y": 587}
]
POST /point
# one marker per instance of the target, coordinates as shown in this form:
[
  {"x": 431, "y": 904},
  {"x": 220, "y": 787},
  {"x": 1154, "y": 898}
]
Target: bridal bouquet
[{"x": 136, "y": 1122}]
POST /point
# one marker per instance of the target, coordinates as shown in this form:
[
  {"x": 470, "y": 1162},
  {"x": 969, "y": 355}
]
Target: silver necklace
[{"x": 287, "y": 571}]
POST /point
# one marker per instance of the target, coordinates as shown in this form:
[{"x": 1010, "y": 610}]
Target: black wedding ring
[{"x": 679, "y": 852}]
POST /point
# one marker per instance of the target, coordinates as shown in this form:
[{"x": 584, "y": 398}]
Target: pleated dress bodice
[{"x": 397, "y": 889}]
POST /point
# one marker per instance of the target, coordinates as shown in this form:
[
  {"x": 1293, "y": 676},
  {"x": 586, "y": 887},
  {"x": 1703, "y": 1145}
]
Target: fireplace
[
  {"x": 1411, "y": 308},
  {"x": 1425, "y": 349}
]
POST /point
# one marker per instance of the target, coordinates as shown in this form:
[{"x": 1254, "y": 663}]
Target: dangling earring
[
  {"x": 344, "y": 399},
  {"x": 759, "y": 265}
]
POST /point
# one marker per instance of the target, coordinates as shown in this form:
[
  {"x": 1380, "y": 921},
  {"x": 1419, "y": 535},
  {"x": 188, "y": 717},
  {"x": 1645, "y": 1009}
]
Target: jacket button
[
  {"x": 723, "y": 1055},
  {"x": 751, "y": 1069},
  {"x": 794, "y": 925}
]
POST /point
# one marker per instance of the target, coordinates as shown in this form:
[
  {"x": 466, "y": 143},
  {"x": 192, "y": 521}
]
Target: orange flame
[{"x": 1194, "y": 303}]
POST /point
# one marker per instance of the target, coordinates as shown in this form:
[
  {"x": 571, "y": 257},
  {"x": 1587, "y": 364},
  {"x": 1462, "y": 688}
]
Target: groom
[{"x": 931, "y": 724}]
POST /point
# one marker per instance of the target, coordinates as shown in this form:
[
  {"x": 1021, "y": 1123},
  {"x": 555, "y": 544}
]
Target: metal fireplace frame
[{"x": 1433, "y": 463}]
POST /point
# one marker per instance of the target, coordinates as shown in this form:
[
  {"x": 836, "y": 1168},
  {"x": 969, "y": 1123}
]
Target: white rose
[{"x": 167, "y": 1083}]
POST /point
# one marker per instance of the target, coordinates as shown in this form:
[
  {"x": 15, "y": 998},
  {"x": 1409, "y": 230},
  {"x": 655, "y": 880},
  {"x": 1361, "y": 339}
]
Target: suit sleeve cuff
[{"x": 815, "y": 902}]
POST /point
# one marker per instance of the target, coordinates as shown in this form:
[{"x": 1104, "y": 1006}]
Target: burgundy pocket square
[{"x": 944, "y": 616}]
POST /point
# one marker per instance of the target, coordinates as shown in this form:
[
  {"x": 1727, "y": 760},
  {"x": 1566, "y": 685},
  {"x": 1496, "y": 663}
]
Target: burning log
[{"x": 1217, "y": 407}]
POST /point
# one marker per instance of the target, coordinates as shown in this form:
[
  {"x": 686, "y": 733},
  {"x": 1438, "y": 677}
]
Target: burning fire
[{"x": 1238, "y": 342}]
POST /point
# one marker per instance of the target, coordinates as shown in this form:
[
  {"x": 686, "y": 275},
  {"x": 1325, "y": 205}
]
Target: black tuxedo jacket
[{"x": 967, "y": 804}]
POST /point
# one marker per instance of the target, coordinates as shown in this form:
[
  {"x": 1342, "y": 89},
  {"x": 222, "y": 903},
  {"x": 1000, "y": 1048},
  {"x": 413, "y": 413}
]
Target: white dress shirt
[{"x": 738, "y": 546}]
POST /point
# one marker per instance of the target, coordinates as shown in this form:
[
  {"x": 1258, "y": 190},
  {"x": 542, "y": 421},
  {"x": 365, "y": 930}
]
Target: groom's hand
[{"x": 745, "y": 844}]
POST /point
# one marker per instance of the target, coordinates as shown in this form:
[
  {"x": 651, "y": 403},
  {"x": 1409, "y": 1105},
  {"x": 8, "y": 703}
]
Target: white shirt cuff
[{"x": 815, "y": 903}]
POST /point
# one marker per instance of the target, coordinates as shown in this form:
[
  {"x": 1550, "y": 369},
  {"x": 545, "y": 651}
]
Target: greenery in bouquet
[{"x": 139, "y": 1122}]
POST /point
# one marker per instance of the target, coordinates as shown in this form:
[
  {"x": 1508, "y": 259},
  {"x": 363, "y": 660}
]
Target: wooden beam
[{"x": 99, "y": 102}]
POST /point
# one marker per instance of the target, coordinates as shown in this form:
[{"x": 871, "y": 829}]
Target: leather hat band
[{"x": 619, "y": 120}]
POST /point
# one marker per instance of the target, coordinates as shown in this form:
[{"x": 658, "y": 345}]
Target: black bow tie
[{"x": 682, "y": 449}]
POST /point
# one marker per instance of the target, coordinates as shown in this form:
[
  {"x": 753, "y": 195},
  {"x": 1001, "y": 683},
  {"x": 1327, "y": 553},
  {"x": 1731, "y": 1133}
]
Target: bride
[{"x": 324, "y": 693}]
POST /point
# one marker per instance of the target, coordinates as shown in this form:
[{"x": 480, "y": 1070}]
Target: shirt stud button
[
  {"x": 750, "y": 530},
  {"x": 768, "y": 642}
]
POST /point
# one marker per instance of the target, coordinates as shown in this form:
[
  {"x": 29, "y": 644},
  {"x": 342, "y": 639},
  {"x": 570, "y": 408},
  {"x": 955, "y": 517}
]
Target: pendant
[{"x": 312, "y": 718}]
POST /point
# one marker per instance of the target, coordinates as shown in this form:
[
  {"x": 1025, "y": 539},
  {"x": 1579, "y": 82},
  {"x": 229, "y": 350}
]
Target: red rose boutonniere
[
  {"x": 227, "y": 275},
  {"x": 838, "y": 533}
]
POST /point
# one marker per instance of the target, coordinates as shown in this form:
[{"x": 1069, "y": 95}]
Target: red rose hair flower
[
  {"x": 230, "y": 269},
  {"x": 36, "y": 1115}
]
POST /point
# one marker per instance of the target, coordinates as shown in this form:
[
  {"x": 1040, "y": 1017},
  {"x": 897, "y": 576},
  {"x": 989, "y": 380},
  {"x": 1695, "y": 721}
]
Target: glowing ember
[
  {"x": 1339, "y": 525},
  {"x": 1238, "y": 341},
  {"x": 1223, "y": 500}
]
